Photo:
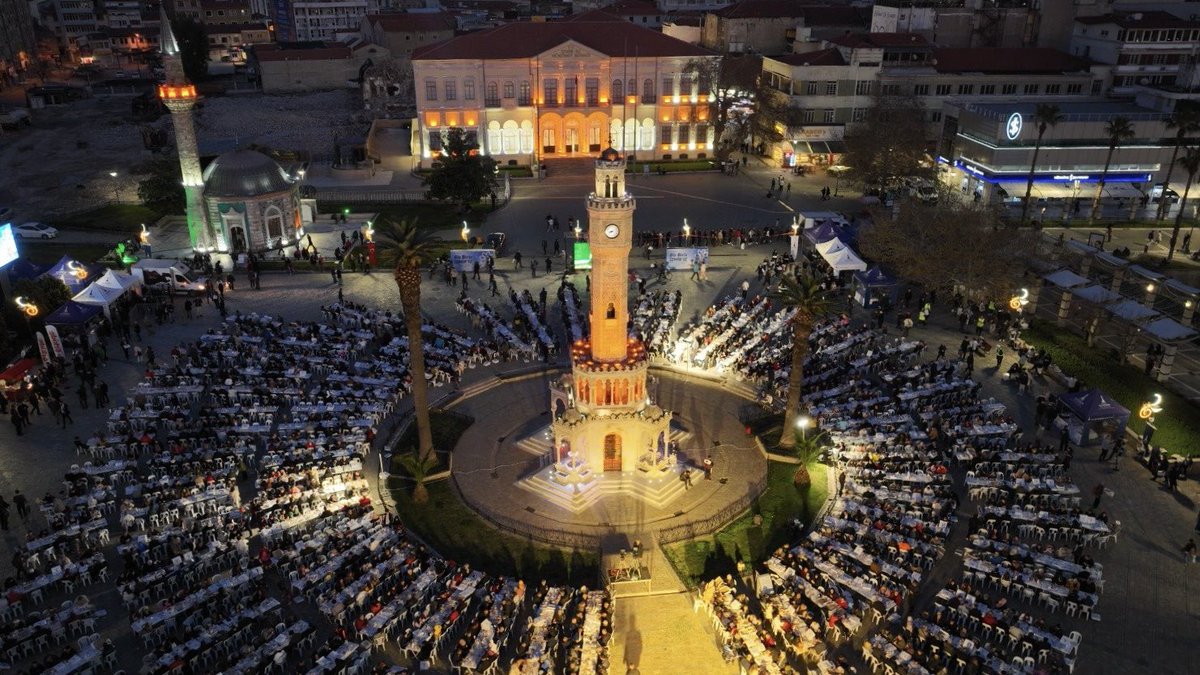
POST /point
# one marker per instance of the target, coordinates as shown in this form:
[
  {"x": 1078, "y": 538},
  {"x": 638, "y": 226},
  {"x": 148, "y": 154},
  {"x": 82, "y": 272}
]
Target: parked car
[
  {"x": 927, "y": 194},
  {"x": 35, "y": 230},
  {"x": 496, "y": 241},
  {"x": 1156, "y": 193}
]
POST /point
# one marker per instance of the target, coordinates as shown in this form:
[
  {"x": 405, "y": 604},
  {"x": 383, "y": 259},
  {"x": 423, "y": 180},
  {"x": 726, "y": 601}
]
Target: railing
[
  {"x": 373, "y": 196},
  {"x": 545, "y": 535},
  {"x": 701, "y": 528}
]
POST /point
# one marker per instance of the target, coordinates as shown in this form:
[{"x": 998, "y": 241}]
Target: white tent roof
[
  {"x": 1097, "y": 294},
  {"x": 844, "y": 260},
  {"x": 95, "y": 294},
  {"x": 117, "y": 280},
  {"x": 1065, "y": 278},
  {"x": 1131, "y": 310},
  {"x": 831, "y": 246}
]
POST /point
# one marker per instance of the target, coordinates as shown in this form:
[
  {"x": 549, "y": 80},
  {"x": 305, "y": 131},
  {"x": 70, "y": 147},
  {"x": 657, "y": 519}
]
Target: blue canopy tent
[
  {"x": 822, "y": 233},
  {"x": 73, "y": 314},
  {"x": 1086, "y": 410},
  {"x": 76, "y": 275},
  {"x": 25, "y": 269},
  {"x": 873, "y": 285}
]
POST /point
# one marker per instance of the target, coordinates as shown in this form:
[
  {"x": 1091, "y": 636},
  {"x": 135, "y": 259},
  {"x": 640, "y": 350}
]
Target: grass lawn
[
  {"x": 446, "y": 428},
  {"x": 430, "y": 216},
  {"x": 458, "y": 533},
  {"x": 48, "y": 252},
  {"x": 674, "y": 166},
  {"x": 1178, "y": 424},
  {"x": 124, "y": 218},
  {"x": 746, "y": 541}
]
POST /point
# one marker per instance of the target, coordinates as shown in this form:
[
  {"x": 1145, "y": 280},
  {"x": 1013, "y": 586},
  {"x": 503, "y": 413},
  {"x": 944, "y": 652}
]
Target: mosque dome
[{"x": 244, "y": 173}]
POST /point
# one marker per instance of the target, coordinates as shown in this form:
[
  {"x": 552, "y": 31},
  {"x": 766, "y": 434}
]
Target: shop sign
[{"x": 821, "y": 133}]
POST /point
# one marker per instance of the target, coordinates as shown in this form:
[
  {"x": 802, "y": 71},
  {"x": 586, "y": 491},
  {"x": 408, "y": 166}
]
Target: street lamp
[
  {"x": 116, "y": 188},
  {"x": 466, "y": 231},
  {"x": 803, "y": 423},
  {"x": 369, "y": 231},
  {"x": 687, "y": 231}
]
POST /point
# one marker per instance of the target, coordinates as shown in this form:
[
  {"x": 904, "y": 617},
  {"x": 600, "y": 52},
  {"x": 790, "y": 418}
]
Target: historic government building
[{"x": 539, "y": 90}]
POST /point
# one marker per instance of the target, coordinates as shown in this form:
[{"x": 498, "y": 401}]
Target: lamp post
[
  {"x": 687, "y": 232},
  {"x": 466, "y": 231},
  {"x": 803, "y": 423},
  {"x": 1147, "y": 412},
  {"x": 28, "y": 309},
  {"x": 116, "y": 188}
]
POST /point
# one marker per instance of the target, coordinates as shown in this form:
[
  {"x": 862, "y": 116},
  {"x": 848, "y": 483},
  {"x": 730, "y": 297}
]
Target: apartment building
[
  {"x": 773, "y": 26},
  {"x": 533, "y": 91},
  {"x": 403, "y": 32},
  {"x": 1147, "y": 50},
  {"x": 320, "y": 20}
]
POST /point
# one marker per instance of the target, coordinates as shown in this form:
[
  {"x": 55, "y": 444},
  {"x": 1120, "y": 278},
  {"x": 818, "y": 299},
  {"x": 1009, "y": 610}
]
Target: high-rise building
[{"x": 17, "y": 41}]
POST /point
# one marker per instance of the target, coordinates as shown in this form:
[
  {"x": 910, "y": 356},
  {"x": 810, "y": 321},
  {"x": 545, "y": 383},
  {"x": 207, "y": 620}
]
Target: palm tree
[
  {"x": 1185, "y": 121},
  {"x": 408, "y": 249},
  {"x": 418, "y": 469},
  {"x": 808, "y": 449},
  {"x": 1118, "y": 129},
  {"x": 1047, "y": 115},
  {"x": 806, "y": 296},
  {"x": 1191, "y": 163}
]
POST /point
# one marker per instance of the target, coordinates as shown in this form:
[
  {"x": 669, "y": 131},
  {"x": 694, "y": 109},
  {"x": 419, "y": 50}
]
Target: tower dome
[{"x": 244, "y": 173}]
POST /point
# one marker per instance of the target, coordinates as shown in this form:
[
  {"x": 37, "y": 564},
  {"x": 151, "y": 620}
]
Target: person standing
[
  {"x": 1097, "y": 493},
  {"x": 708, "y": 467},
  {"x": 745, "y": 289},
  {"x": 22, "y": 505},
  {"x": 533, "y": 268},
  {"x": 1189, "y": 550},
  {"x": 695, "y": 270},
  {"x": 64, "y": 412}
]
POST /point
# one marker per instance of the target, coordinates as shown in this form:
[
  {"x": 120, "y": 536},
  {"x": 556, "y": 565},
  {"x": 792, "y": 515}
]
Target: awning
[
  {"x": 1082, "y": 247},
  {"x": 1131, "y": 310},
  {"x": 1065, "y": 278},
  {"x": 72, "y": 313},
  {"x": 1110, "y": 259},
  {"x": 1182, "y": 288},
  {"x": 1097, "y": 294},
  {"x": 1147, "y": 274},
  {"x": 1169, "y": 330},
  {"x": 95, "y": 294},
  {"x": 17, "y": 370}
]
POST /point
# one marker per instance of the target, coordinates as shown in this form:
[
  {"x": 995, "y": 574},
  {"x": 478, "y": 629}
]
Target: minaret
[
  {"x": 179, "y": 96},
  {"x": 610, "y": 233}
]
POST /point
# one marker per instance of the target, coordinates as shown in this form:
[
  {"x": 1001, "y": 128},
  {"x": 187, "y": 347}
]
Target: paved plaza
[{"x": 1151, "y": 600}]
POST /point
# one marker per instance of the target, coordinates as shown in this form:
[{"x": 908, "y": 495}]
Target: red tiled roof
[
  {"x": 634, "y": 8},
  {"x": 608, "y": 34},
  {"x": 1006, "y": 60},
  {"x": 414, "y": 22},
  {"x": 880, "y": 40},
  {"x": 1150, "y": 19},
  {"x": 822, "y": 57},
  {"x": 814, "y": 14},
  {"x": 302, "y": 51}
]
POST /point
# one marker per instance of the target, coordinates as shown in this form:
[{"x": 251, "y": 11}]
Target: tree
[
  {"x": 1190, "y": 163},
  {"x": 192, "y": 37},
  {"x": 807, "y": 449},
  {"x": 955, "y": 247},
  {"x": 461, "y": 174},
  {"x": 162, "y": 188},
  {"x": 806, "y": 296},
  {"x": 770, "y": 116},
  {"x": 889, "y": 143},
  {"x": 47, "y": 293},
  {"x": 1185, "y": 121},
  {"x": 1047, "y": 115},
  {"x": 1118, "y": 130},
  {"x": 729, "y": 80},
  {"x": 418, "y": 468},
  {"x": 407, "y": 249}
]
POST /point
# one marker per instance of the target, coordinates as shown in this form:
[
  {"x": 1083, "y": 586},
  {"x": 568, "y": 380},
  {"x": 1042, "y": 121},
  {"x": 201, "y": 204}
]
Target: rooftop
[
  {"x": 1013, "y": 60},
  {"x": 301, "y": 51},
  {"x": 415, "y": 22},
  {"x": 606, "y": 33},
  {"x": 813, "y": 14},
  {"x": 822, "y": 57},
  {"x": 1141, "y": 19},
  {"x": 880, "y": 40},
  {"x": 634, "y": 8}
]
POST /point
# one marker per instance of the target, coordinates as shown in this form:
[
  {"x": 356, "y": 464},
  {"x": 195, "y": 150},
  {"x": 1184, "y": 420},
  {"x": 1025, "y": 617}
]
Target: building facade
[
  {"x": 312, "y": 66},
  {"x": 308, "y": 20},
  {"x": 401, "y": 33},
  {"x": 532, "y": 91},
  {"x": 1150, "y": 49},
  {"x": 774, "y": 26}
]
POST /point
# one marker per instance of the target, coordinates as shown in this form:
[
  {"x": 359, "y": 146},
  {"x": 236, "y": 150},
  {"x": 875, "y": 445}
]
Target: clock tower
[{"x": 610, "y": 234}]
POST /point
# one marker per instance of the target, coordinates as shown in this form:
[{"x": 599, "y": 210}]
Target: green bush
[
  {"x": 1178, "y": 424},
  {"x": 673, "y": 166}
]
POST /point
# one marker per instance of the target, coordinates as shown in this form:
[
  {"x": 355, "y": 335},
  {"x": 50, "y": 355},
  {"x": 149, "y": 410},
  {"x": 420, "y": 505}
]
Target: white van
[{"x": 166, "y": 274}]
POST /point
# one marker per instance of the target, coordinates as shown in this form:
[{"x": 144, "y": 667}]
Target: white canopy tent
[
  {"x": 844, "y": 260},
  {"x": 118, "y": 280},
  {"x": 828, "y": 247},
  {"x": 96, "y": 294}
]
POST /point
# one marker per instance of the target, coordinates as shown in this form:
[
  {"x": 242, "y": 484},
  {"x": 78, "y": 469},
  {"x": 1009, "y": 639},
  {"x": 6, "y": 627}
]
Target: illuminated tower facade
[
  {"x": 179, "y": 96},
  {"x": 607, "y": 422}
]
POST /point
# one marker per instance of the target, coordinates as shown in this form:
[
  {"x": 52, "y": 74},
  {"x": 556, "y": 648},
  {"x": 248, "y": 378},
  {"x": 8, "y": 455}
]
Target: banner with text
[
  {"x": 682, "y": 258},
  {"x": 464, "y": 260}
]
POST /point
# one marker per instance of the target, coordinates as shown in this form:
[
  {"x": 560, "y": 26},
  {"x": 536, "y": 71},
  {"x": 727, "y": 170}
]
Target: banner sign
[
  {"x": 463, "y": 260},
  {"x": 682, "y": 258},
  {"x": 42, "y": 349},
  {"x": 56, "y": 342}
]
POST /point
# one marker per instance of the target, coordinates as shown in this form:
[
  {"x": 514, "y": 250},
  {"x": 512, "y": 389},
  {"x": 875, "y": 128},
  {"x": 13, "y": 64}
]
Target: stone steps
[
  {"x": 538, "y": 443},
  {"x": 658, "y": 493}
]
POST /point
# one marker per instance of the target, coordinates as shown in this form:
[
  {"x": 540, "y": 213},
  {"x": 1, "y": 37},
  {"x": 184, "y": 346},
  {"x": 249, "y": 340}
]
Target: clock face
[{"x": 612, "y": 231}]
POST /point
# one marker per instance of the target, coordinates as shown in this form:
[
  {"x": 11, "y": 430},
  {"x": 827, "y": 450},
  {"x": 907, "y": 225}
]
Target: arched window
[
  {"x": 527, "y": 137},
  {"x": 648, "y": 90},
  {"x": 618, "y": 90},
  {"x": 611, "y": 313},
  {"x": 511, "y": 138},
  {"x": 274, "y": 222},
  {"x": 493, "y": 95},
  {"x": 493, "y": 138},
  {"x": 631, "y": 88}
]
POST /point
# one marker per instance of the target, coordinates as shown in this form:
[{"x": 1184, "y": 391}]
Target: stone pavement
[{"x": 1150, "y": 602}]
